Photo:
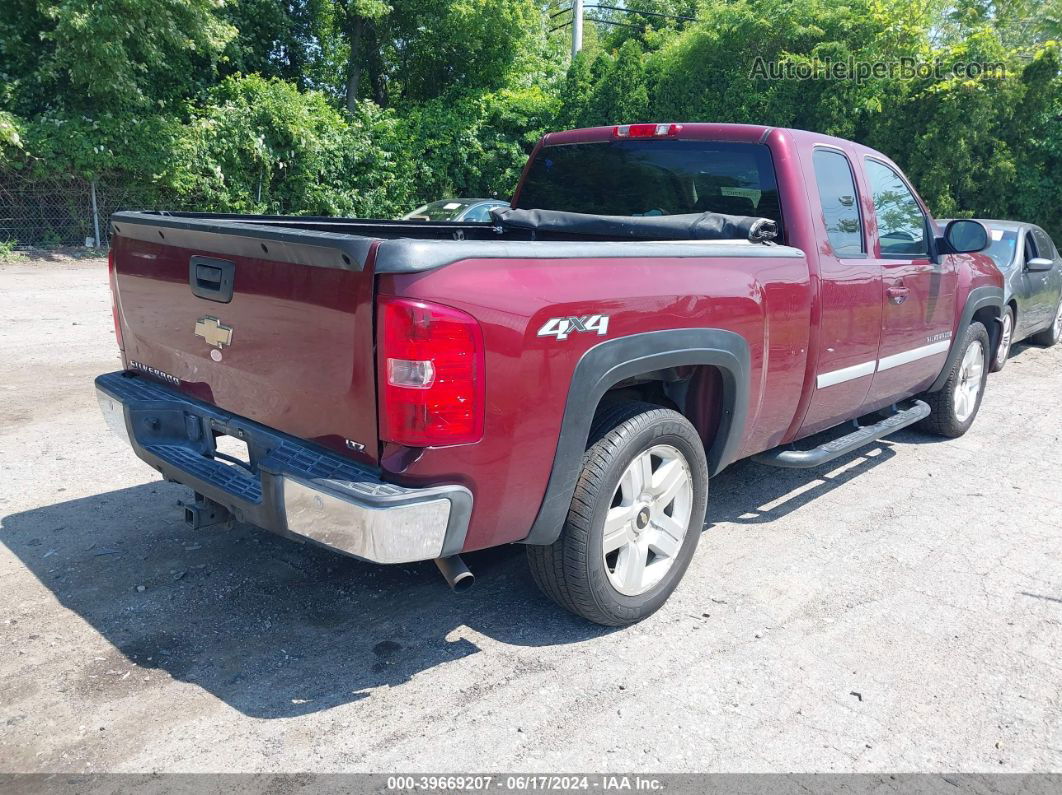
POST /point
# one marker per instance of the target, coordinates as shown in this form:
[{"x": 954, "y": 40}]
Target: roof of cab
[
  {"x": 754, "y": 133},
  {"x": 713, "y": 131}
]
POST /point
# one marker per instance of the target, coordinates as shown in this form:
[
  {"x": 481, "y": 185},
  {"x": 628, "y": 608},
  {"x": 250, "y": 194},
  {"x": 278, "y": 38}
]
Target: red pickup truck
[{"x": 659, "y": 301}]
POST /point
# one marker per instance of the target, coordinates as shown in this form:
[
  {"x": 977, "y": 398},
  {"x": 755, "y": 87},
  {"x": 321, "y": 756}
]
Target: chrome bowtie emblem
[{"x": 213, "y": 331}]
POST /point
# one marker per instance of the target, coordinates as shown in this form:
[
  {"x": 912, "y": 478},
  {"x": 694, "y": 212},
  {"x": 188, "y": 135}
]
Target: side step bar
[{"x": 789, "y": 458}]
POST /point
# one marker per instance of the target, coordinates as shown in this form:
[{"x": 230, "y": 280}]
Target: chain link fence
[{"x": 58, "y": 211}]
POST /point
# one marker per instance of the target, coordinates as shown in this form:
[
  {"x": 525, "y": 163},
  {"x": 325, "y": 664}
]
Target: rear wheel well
[{"x": 695, "y": 391}]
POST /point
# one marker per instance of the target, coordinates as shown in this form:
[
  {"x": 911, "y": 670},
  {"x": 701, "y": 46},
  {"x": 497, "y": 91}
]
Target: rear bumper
[{"x": 291, "y": 487}]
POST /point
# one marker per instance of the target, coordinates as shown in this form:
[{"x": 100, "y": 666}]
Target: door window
[
  {"x": 901, "y": 222},
  {"x": 840, "y": 203},
  {"x": 1030, "y": 248},
  {"x": 1043, "y": 244},
  {"x": 479, "y": 214}
]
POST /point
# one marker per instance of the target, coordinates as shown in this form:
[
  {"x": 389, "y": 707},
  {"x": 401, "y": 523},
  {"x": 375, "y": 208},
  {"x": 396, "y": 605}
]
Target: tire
[
  {"x": 1006, "y": 338},
  {"x": 954, "y": 407},
  {"x": 616, "y": 589},
  {"x": 1053, "y": 333}
]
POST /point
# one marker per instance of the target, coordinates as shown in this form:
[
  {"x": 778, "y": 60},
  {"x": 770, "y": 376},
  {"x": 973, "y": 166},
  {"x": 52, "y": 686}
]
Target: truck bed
[
  {"x": 292, "y": 343},
  {"x": 402, "y": 246}
]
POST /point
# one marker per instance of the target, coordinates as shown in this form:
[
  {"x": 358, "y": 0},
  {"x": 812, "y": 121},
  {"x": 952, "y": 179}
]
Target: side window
[
  {"x": 840, "y": 205},
  {"x": 1030, "y": 248},
  {"x": 901, "y": 222},
  {"x": 1044, "y": 246},
  {"x": 478, "y": 214}
]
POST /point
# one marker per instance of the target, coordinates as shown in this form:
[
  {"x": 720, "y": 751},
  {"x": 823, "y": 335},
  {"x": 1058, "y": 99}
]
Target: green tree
[
  {"x": 714, "y": 70},
  {"x": 263, "y": 146},
  {"x": 472, "y": 144},
  {"x": 1019, "y": 23},
  {"x": 289, "y": 39},
  {"x": 949, "y": 133},
  {"x": 94, "y": 55},
  {"x": 9, "y": 133},
  {"x": 370, "y": 106},
  {"x": 416, "y": 50},
  {"x": 358, "y": 21},
  {"x": 620, "y": 96},
  {"x": 577, "y": 89},
  {"x": 649, "y": 22}
]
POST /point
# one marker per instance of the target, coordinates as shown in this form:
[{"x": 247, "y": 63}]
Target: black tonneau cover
[
  {"x": 414, "y": 246},
  {"x": 692, "y": 226}
]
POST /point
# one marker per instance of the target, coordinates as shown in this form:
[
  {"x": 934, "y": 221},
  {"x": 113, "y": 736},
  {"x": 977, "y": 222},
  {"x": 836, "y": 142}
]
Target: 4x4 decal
[{"x": 561, "y": 327}]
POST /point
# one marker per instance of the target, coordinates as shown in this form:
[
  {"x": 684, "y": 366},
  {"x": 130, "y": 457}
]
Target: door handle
[
  {"x": 211, "y": 278},
  {"x": 898, "y": 294}
]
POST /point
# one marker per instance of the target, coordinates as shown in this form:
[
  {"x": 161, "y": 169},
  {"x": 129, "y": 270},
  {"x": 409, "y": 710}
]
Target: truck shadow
[
  {"x": 271, "y": 627},
  {"x": 278, "y": 629},
  {"x": 751, "y": 493}
]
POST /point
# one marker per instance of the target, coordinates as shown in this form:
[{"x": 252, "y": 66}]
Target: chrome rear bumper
[{"x": 289, "y": 486}]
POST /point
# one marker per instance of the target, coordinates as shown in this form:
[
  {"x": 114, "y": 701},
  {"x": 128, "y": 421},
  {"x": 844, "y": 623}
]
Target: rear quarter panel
[{"x": 765, "y": 300}]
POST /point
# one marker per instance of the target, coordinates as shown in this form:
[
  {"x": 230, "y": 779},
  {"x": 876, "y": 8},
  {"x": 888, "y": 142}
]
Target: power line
[
  {"x": 645, "y": 13},
  {"x": 602, "y": 22},
  {"x": 618, "y": 24}
]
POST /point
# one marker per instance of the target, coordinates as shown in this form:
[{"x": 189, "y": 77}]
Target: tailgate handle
[{"x": 211, "y": 278}]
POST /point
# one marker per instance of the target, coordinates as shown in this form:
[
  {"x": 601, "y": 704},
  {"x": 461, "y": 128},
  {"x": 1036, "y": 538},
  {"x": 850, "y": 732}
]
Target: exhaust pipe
[{"x": 456, "y": 573}]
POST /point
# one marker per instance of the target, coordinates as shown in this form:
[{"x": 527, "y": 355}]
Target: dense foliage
[{"x": 369, "y": 107}]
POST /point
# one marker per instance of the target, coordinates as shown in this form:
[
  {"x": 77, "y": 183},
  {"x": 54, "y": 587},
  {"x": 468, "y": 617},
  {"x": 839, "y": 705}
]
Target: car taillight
[
  {"x": 646, "y": 130},
  {"x": 431, "y": 374},
  {"x": 113, "y": 279}
]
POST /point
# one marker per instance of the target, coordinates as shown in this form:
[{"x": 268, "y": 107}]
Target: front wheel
[
  {"x": 955, "y": 405},
  {"x": 1006, "y": 337},
  {"x": 634, "y": 521}
]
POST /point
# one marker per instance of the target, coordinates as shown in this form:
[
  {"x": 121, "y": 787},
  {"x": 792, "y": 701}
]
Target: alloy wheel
[
  {"x": 970, "y": 375},
  {"x": 648, "y": 519},
  {"x": 1005, "y": 338}
]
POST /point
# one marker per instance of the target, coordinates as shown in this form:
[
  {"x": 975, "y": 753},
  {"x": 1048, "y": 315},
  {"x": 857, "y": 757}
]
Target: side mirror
[
  {"x": 964, "y": 236},
  {"x": 1039, "y": 264}
]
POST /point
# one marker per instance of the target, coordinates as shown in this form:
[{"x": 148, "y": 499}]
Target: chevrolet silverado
[{"x": 658, "y": 302}]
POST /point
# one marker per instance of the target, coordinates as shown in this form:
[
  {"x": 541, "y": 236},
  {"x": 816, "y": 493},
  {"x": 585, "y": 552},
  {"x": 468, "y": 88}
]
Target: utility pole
[{"x": 577, "y": 27}]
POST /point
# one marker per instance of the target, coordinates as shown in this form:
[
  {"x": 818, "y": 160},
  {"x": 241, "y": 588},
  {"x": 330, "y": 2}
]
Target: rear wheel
[
  {"x": 956, "y": 404},
  {"x": 1051, "y": 335},
  {"x": 634, "y": 521},
  {"x": 1006, "y": 337}
]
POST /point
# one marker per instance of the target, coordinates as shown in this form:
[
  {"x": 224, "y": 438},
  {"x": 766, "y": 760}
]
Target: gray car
[
  {"x": 474, "y": 210},
  {"x": 1032, "y": 285}
]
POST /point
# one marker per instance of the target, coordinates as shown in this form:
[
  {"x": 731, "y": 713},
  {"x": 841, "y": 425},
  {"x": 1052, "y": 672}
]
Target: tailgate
[{"x": 268, "y": 323}]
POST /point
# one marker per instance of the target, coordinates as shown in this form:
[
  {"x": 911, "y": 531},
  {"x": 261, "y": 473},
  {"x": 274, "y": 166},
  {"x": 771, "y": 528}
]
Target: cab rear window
[{"x": 653, "y": 177}]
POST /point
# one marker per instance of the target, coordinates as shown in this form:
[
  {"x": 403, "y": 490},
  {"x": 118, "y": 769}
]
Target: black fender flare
[
  {"x": 616, "y": 360},
  {"x": 977, "y": 299}
]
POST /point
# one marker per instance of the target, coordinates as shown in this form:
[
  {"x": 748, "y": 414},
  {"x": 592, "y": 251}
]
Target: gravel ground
[{"x": 898, "y": 612}]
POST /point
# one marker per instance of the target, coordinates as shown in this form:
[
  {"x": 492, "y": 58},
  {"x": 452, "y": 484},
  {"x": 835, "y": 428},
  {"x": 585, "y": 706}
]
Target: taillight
[
  {"x": 431, "y": 374},
  {"x": 113, "y": 279},
  {"x": 646, "y": 130}
]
